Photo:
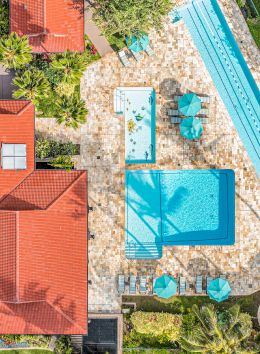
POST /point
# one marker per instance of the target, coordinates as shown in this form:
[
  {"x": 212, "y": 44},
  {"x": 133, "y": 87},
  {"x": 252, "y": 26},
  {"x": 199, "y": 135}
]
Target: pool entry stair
[
  {"x": 228, "y": 69},
  {"x": 143, "y": 251}
]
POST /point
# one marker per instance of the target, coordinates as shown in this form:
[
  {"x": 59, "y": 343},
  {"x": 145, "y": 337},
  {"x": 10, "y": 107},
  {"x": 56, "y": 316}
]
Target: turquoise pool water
[
  {"x": 228, "y": 69},
  {"x": 186, "y": 207},
  {"x": 137, "y": 104}
]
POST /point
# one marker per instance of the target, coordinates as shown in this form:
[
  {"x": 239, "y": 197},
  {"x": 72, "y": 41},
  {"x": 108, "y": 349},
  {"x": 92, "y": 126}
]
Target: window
[{"x": 14, "y": 156}]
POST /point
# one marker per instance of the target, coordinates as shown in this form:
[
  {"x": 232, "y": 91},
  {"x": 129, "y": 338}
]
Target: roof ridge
[
  {"x": 65, "y": 316},
  {"x": 67, "y": 189}
]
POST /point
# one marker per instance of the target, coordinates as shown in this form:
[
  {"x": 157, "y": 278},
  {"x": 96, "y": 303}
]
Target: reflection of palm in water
[{"x": 177, "y": 199}]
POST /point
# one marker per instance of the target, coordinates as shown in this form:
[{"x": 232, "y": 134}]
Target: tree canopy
[{"x": 130, "y": 17}]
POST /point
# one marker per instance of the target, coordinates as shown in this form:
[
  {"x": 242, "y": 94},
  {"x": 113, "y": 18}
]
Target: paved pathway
[
  {"x": 94, "y": 34},
  {"x": 176, "y": 68}
]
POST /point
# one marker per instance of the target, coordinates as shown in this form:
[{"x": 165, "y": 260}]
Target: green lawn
[
  {"x": 182, "y": 304},
  {"x": 27, "y": 351}
]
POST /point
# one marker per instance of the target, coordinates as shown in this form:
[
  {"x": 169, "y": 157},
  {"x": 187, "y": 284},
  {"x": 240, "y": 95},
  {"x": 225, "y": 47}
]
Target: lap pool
[{"x": 186, "y": 207}]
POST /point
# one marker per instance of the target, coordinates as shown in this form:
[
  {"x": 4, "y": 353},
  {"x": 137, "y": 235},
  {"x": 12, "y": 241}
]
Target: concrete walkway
[
  {"x": 94, "y": 34},
  {"x": 6, "y": 87}
]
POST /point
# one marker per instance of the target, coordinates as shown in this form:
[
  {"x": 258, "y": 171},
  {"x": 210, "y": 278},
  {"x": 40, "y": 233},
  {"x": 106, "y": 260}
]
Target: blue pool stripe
[{"x": 228, "y": 70}]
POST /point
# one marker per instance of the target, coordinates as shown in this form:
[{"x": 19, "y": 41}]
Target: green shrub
[
  {"x": 164, "y": 326},
  {"x": 62, "y": 162},
  {"x": 63, "y": 345},
  {"x": 50, "y": 148},
  {"x": 4, "y": 18}
]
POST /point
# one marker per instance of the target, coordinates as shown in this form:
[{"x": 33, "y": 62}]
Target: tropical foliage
[
  {"x": 70, "y": 111},
  {"x": 15, "y": 51},
  {"x": 70, "y": 65},
  {"x": 62, "y": 162},
  {"x": 224, "y": 332},
  {"x": 164, "y": 326},
  {"x": 128, "y": 17},
  {"x": 32, "y": 85},
  {"x": 4, "y": 17},
  {"x": 50, "y": 148}
]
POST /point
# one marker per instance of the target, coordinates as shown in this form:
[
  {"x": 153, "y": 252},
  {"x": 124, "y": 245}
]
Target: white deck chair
[
  {"x": 208, "y": 281},
  {"x": 137, "y": 55},
  {"x": 199, "y": 284},
  {"x": 204, "y": 112},
  {"x": 203, "y": 120},
  {"x": 204, "y": 99},
  {"x": 175, "y": 120},
  {"x": 143, "y": 284},
  {"x": 176, "y": 98},
  {"x": 123, "y": 58},
  {"x": 149, "y": 50},
  {"x": 182, "y": 285},
  {"x": 132, "y": 285},
  {"x": 173, "y": 112},
  {"x": 121, "y": 284}
]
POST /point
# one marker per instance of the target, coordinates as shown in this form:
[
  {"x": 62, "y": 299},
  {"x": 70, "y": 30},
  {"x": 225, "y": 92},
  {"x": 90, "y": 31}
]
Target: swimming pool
[
  {"x": 228, "y": 69},
  {"x": 137, "y": 104},
  {"x": 181, "y": 207}
]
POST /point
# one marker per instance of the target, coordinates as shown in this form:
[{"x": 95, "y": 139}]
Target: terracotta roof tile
[{"x": 52, "y": 26}]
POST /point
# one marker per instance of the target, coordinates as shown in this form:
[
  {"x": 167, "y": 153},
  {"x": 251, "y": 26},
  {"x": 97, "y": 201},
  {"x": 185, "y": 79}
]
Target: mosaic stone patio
[{"x": 176, "y": 68}]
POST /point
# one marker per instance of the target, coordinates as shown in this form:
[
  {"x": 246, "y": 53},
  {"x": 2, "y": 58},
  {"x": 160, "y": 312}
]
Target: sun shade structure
[
  {"x": 165, "y": 286},
  {"x": 191, "y": 128},
  {"x": 189, "y": 104},
  {"x": 137, "y": 44},
  {"x": 50, "y": 25},
  {"x": 43, "y": 242},
  {"x": 219, "y": 289}
]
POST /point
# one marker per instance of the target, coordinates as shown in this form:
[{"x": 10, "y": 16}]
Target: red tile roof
[
  {"x": 43, "y": 250},
  {"x": 51, "y": 25}
]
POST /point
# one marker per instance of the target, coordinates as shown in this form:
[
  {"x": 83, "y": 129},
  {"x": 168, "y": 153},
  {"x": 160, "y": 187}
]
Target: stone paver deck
[{"x": 175, "y": 68}]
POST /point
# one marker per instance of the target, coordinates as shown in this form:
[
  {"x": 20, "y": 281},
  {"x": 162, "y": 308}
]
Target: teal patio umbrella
[
  {"x": 165, "y": 286},
  {"x": 189, "y": 104},
  {"x": 191, "y": 128},
  {"x": 137, "y": 44},
  {"x": 219, "y": 289}
]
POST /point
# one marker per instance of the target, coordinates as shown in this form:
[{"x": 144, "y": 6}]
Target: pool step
[
  {"x": 144, "y": 251},
  {"x": 119, "y": 101}
]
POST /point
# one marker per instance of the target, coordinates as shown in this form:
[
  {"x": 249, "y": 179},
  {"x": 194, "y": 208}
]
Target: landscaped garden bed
[
  {"x": 144, "y": 329},
  {"x": 251, "y": 12}
]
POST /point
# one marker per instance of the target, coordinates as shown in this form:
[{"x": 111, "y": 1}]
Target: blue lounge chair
[
  {"x": 182, "y": 286},
  {"x": 199, "y": 284},
  {"x": 132, "y": 286},
  {"x": 121, "y": 284},
  {"x": 143, "y": 284}
]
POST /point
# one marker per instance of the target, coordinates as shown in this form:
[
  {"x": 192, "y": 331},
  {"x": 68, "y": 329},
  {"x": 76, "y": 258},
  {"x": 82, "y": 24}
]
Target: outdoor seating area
[
  {"x": 135, "y": 49},
  {"x": 165, "y": 286}
]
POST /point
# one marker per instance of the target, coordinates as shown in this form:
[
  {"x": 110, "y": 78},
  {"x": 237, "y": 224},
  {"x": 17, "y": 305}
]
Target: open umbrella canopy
[
  {"x": 189, "y": 104},
  {"x": 191, "y": 128},
  {"x": 219, "y": 289},
  {"x": 137, "y": 44},
  {"x": 165, "y": 286}
]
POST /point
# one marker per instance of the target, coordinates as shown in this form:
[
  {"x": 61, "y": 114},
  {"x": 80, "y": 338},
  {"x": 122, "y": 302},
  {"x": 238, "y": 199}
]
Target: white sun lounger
[
  {"x": 137, "y": 55},
  {"x": 175, "y": 120},
  {"x": 173, "y": 112},
  {"x": 204, "y": 112},
  {"x": 123, "y": 58},
  {"x": 121, "y": 284},
  {"x": 143, "y": 284},
  {"x": 199, "y": 284},
  {"x": 149, "y": 50},
  {"x": 132, "y": 285},
  {"x": 176, "y": 98},
  {"x": 208, "y": 281},
  {"x": 203, "y": 120},
  {"x": 182, "y": 285},
  {"x": 204, "y": 99}
]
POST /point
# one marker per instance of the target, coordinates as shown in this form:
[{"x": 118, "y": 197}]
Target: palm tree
[
  {"x": 71, "y": 111},
  {"x": 32, "y": 84},
  {"x": 15, "y": 51},
  {"x": 71, "y": 65},
  {"x": 218, "y": 333}
]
